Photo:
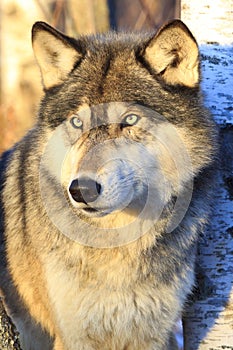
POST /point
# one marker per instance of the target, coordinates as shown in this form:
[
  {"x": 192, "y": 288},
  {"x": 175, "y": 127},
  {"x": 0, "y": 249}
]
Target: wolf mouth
[{"x": 92, "y": 211}]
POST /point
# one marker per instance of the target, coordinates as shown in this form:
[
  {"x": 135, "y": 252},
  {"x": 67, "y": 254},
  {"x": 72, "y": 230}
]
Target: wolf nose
[{"x": 84, "y": 190}]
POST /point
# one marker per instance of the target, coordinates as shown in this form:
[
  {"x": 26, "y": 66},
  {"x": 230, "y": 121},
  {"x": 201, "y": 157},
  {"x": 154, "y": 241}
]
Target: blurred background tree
[{"x": 20, "y": 88}]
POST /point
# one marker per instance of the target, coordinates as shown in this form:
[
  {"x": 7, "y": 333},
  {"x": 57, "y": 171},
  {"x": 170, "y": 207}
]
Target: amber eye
[
  {"x": 76, "y": 122},
  {"x": 130, "y": 119}
]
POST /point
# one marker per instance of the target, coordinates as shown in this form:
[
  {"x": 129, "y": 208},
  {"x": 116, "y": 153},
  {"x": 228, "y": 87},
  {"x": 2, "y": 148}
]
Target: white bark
[{"x": 208, "y": 323}]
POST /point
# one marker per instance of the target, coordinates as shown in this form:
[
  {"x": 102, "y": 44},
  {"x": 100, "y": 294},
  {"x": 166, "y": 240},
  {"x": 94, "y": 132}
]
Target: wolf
[{"x": 104, "y": 199}]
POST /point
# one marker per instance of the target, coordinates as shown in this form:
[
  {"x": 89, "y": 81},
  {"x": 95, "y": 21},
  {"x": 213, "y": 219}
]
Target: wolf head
[{"x": 130, "y": 130}]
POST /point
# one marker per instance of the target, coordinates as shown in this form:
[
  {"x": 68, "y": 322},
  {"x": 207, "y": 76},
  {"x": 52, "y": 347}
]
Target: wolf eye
[
  {"x": 130, "y": 119},
  {"x": 76, "y": 122}
]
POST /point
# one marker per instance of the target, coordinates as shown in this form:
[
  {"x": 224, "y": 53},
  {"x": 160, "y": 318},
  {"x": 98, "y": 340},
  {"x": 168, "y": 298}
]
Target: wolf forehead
[
  {"x": 110, "y": 68},
  {"x": 116, "y": 66},
  {"x": 100, "y": 67}
]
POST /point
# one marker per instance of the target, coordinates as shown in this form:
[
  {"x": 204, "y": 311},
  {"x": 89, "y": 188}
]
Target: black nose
[{"x": 84, "y": 190}]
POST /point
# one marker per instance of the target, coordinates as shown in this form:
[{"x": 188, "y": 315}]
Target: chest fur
[{"x": 107, "y": 303}]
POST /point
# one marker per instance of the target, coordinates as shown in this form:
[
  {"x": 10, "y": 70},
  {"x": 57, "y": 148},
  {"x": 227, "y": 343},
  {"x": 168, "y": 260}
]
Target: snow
[{"x": 217, "y": 80}]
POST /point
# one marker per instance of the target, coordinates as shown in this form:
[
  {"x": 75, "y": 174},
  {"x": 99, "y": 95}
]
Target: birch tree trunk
[{"x": 208, "y": 322}]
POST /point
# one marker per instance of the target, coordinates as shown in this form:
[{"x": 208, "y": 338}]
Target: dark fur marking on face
[
  {"x": 99, "y": 115},
  {"x": 105, "y": 69},
  {"x": 100, "y": 133}
]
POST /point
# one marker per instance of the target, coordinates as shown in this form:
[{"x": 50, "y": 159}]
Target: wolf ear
[
  {"x": 56, "y": 54},
  {"x": 173, "y": 54}
]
